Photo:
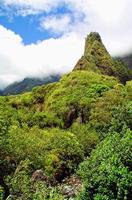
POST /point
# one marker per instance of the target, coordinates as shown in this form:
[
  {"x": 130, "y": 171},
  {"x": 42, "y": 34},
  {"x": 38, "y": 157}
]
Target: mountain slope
[
  {"x": 27, "y": 84},
  {"x": 71, "y": 97}
]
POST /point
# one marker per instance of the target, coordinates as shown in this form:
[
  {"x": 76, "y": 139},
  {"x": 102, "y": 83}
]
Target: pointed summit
[
  {"x": 94, "y": 36},
  {"x": 96, "y": 57},
  {"x": 90, "y": 39}
]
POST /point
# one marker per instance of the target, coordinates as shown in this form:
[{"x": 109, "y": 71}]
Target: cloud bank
[
  {"x": 36, "y": 60},
  {"x": 112, "y": 19}
]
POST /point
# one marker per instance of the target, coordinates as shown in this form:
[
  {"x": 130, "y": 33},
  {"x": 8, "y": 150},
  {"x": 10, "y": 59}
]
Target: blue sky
[
  {"x": 42, "y": 37},
  {"x": 28, "y": 26}
]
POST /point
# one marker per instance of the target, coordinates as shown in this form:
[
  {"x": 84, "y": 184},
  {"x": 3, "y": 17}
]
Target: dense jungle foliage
[{"x": 80, "y": 125}]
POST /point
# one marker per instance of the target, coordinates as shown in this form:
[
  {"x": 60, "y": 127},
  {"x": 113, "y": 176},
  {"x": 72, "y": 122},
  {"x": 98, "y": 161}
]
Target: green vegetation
[
  {"x": 80, "y": 125},
  {"x": 51, "y": 149},
  {"x": 107, "y": 173}
]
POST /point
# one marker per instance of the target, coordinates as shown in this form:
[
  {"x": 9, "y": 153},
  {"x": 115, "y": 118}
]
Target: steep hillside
[{"x": 80, "y": 125}]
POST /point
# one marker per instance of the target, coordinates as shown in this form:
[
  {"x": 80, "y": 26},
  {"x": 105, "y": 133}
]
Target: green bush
[
  {"x": 107, "y": 174},
  {"x": 57, "y": 152},
  {"x": 42, "y": 192},
  {"x": 23, "y": 188},
  {"x": 20, "y": 182},
  {"x": 87, "y": 137},
  {"x": 74, "y": 94},
  {"x": 111, "y": 110},
  {"x": 44, "y": 119}
]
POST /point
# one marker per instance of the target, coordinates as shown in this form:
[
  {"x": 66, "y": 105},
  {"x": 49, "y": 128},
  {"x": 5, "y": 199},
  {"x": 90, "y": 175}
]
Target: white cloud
[
  {"x": 57, "y": 24},
  {"x": 27, "y": 7},
  {"x": 46, "y": 57},
  {"x": 112, "y": 19}
]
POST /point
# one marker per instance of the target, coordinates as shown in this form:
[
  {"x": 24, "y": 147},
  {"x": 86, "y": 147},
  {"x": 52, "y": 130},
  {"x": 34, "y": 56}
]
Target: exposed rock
[
  {"x": 71, "y": 186},
  {"x": 38, "y": 175},
  {"x": 71, "y": 116}
]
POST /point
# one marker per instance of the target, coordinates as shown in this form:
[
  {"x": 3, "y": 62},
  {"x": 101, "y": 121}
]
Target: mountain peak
[
  {"x": 96, "y": 57},
  {"x": 92, "y": 38}
]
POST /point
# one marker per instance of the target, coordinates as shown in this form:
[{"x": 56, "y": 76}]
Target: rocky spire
[
  {"x": 96, "y": 57},
  {"x": 90, "y": 39}
]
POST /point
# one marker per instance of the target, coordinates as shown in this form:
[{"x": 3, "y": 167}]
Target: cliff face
[{"x": 96, "y": 58}]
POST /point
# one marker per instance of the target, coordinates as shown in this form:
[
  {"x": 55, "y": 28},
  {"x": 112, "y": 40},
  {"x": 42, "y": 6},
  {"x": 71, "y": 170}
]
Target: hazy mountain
[
  {"x": 128, "y": 60},
  {"x": 27, "y": 84}
]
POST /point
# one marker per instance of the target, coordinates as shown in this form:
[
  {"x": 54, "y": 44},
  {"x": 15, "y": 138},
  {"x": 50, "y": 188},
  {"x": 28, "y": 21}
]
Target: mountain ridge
[{"x": 27, "y": 84}]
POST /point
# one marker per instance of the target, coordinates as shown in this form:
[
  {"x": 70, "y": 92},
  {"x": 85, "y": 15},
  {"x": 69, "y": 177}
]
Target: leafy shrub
[
  {"x": 45, "y": 119},
  {"x": 42, "y": 192},
  {"x": 128, "y": 87},
  {"x": 57, "y": 152},
  {"x": 87, "y": 137},
  {"x": 20, "y": 183},
  {"x": 112, "y": 109},
  {"x": 22, "y": 187},
  {"x": 108, "y": 172}
]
